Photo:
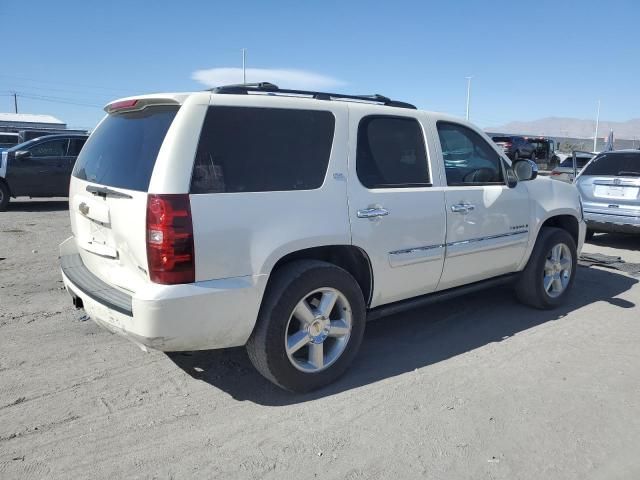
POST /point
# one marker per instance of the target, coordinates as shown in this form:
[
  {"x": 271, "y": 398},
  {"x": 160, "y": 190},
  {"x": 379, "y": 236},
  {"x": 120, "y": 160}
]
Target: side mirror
[
  {"x": 22, "y": 154},
  {"x": 525, "y": 170}
]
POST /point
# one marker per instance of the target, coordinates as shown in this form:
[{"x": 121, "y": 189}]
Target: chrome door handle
[
  {"x": 462, "y": 208},
  {"x": 373, "y": 212}
]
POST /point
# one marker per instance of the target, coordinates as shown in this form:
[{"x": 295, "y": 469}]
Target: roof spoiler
[{"x": 137, "y": 104}]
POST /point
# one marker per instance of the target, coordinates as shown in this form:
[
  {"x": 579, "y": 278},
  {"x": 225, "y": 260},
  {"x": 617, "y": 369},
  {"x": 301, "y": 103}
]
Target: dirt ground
[{"x": 475, "y": 388}]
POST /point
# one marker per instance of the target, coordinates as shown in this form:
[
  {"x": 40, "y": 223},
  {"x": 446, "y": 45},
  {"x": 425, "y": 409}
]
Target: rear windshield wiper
[
  {"x": 628, "y": 174},
  {"x": 106, "y": 192}
]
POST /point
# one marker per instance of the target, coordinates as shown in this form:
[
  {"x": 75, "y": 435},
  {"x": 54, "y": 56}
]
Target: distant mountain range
[{"x": 571, "y": 127}]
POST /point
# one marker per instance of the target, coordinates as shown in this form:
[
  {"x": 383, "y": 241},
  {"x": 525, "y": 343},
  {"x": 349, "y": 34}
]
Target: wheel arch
[
  {"x": 564, "y": 222},
  {"x": 351, "y": 258}
]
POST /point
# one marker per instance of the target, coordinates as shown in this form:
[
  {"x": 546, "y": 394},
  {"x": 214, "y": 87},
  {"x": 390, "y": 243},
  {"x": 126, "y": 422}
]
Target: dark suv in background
[
  {"x": 515, "y": 147},
  {"x": 39, "y": 168}
]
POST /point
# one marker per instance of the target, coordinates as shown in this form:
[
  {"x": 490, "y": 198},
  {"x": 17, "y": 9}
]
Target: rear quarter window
[
  {"x": 123, "y": 149},
  {"x": 248, "y": 149}
]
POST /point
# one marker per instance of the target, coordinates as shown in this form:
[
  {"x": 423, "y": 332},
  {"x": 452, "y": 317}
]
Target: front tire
[
  {"x": 4, "y": 196},
  {"x": 548, "y": 277},
  {"x": 310, "y": 325}
]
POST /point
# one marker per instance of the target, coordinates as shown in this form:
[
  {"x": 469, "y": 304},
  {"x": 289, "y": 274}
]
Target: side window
[
  {"x": 75, "y": 145},
  {"x": 52, "y": 148},
  {"x": 468, "y": 158},
  {"x": 247, "y": 149},
  {"x": 391, "y": 153}
]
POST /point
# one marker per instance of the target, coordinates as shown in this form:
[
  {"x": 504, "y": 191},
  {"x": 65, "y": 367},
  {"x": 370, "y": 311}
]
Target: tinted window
[
  {"x": 122, "y": 151},
  {"x": 391, "y": 153},
  {"x": 9, "y": 139},
  {"x": 580, "y": 162},
  {"x": 615, "y": 164},
  {"x": 262, "y": 149},
  {"x": 502, "y": 139},
  {"x": 75, "y": 145},
  {"x": 468, "y": 158},
  {"x": 52, "y": 148}
]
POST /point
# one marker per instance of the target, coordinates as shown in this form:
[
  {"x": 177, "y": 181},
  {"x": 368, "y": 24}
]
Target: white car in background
[{"x": 282, "y": 220}]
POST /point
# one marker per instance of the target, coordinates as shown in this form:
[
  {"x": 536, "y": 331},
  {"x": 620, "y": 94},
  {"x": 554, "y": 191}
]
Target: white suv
[{"x": 282, "y": 220}]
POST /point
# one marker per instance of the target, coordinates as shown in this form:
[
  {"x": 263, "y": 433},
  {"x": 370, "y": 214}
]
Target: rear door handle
[
  {"x": 373, "y": 212},
  {"x": 462, "y": 208}
]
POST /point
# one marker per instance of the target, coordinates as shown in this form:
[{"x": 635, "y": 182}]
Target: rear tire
[
  {"x": 548, "y": 277},
  {"x": 4, "y": 196},
  {"x": 297, "y": 343}
]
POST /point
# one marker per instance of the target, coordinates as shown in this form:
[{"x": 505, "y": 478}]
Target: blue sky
[{"x": 528, "y": 59}]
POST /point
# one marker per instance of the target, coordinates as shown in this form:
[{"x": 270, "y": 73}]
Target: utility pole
[
  {"x": 244, "y": 66},
  {"x": 15, "y": 101},
  {"x": 468, "y": 95},
  {"x": 595, "y": 136}
]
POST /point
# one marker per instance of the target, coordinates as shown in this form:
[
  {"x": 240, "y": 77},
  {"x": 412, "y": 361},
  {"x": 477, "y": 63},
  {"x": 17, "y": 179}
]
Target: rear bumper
[
  {"x": 197, "y": 316},
  {"x": 602, "y": 222}
]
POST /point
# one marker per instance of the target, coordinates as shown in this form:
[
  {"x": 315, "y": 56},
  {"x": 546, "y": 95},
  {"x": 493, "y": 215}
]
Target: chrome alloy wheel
[
  {"x": 557, "y": 270},
  {"x": 318, "y": 330}
]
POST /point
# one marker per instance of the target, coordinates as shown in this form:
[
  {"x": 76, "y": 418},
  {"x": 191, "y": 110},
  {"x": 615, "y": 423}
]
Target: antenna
[{"x": 244, "y": 68}]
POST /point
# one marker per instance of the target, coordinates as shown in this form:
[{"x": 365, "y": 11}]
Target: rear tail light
[
  {"x": 508, "y": 144},
  {"x": 170, "y": 251},
  {"x": 121, "y": 105},
  {"x": 553, "y": 174}
]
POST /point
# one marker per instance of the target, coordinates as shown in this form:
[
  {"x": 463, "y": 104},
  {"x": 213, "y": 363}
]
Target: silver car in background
[{"x": 609, "y": 186}]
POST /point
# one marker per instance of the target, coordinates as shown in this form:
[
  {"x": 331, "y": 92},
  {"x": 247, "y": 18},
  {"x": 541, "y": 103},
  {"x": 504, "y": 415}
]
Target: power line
[
  {"x": 47, "y": 98},
  {"x": 53, "y": 82}
]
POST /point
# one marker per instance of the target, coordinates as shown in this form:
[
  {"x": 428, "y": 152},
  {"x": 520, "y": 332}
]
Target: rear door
[
  {"x": 487, "y": 222},
  {"x": 108, "y": 195},
  {"x": 397, "y": 215}
]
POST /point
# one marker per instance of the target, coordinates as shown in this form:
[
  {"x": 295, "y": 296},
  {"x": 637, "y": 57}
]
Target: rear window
[
  {"x": 122, "y": 151},
  {"x": 502, "y": 139},
  {"x": 615, "y": 164},
  {"x": 247, "y": 149}
]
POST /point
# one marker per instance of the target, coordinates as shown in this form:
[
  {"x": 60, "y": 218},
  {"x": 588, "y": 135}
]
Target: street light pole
[
  {"x": 244, "y": 63},
  {"x": 468, "y": 96},
  {"x": 595, "y": 137}
]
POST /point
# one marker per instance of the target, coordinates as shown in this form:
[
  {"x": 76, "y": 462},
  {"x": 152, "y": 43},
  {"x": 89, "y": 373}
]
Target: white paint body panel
[{"x": 420, "y": 247}]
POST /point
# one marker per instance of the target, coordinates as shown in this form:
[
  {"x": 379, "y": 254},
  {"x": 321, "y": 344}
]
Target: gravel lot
[{"x": 475, "y": 388}]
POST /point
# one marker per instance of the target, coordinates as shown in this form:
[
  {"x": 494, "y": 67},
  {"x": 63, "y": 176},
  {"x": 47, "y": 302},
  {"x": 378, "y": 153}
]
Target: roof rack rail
[{"x": 271, "y": 89}]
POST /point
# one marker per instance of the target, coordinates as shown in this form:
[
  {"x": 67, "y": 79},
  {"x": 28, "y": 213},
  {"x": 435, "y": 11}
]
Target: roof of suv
[{"x": 262, "y": 89}]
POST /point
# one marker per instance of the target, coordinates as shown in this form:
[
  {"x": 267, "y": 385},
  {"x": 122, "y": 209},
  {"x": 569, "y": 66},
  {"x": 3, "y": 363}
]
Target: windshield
[
  {"x": 615, "y": 164},
  {"x": 123, "y": 149}
]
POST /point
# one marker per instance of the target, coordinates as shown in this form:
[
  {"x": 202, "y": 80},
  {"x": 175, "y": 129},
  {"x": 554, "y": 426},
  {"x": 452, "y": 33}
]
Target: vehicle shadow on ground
[
  {"x": 38, "y": 206},
  {"x": 401, "y": 343},
  {"x": 617, "y": 240}
]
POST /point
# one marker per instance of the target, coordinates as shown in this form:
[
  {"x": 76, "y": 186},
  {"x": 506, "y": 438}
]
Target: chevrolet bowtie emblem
[{"x": 84, "y": 208}]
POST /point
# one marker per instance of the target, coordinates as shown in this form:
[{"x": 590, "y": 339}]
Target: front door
[
  {"x": 487, "y": 221},
  {"x": 44, "y": 171},
  {"x": 396, "y": 215}
]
